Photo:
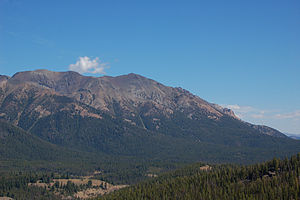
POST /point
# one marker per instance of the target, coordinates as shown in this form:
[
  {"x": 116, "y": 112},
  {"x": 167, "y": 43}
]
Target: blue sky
[{"x": 240, "y": 54}]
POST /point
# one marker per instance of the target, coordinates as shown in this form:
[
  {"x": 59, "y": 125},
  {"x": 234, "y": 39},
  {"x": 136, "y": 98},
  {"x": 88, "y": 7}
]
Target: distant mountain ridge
[
  {"x": 131, "y": 115},
  {"x": 294, "y": 136}
]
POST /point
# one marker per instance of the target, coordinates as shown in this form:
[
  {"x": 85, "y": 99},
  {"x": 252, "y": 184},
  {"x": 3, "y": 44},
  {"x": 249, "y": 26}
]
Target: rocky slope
[{"x": 131, "y": 91}]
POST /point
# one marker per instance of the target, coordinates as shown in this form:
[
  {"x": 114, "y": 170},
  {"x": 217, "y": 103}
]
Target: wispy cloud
[
  {"x": 286, "y": 121},
  {"x": 88, "y": 65},
  {"x": 291, "y": 115},
  {"x": 236, "y": 107},
  {"x": 258, "y": 116},
  {"x": 35, "y": 39},
  {"x": 249, "y": 112},
  {"x": 42, "y": 41}
]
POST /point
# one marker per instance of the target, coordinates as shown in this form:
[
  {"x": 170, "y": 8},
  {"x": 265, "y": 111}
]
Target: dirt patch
[
  {"x": 93, "y": 187},
  {"x": 206, "y": 168},
  {"x": 94, "y": 192},
  {"x": 151, "y": 175}
]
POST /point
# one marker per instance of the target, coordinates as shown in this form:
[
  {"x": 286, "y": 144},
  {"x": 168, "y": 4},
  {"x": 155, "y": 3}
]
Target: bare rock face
[
  {"x": 226, "y": 111},
  {"x": 131, "y": 92},
  {"x": 3, "y": 78},
  {"x": 3, "y": 81}
]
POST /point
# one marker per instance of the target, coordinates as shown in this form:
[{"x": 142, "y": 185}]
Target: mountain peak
[
  {"x": 131, "y": 76},
  {"x": 45, "y": 78},
  {"x": 43, "y": 72}
]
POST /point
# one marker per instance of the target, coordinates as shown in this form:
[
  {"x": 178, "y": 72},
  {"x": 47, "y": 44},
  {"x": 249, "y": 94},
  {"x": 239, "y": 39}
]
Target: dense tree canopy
[{"x": 276, "y": 179}]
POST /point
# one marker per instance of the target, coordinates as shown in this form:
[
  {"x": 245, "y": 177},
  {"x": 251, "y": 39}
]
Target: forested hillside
[{"x": 276, "y": 179}]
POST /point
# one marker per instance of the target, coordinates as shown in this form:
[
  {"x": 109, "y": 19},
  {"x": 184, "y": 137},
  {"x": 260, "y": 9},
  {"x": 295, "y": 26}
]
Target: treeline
[
  {"x": 15, "y": 185},
  {"x": 276, "y": 179}
]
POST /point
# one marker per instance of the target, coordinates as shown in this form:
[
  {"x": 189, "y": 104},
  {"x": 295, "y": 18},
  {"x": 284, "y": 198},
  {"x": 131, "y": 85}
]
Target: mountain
[
  {"x": 294, "y": 136},
  {"x": 130, "y": 96},
  {"x": 133, "y": 116}
]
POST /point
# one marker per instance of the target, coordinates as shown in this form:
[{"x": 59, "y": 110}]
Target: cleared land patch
[{"x": 83, "y": 187}]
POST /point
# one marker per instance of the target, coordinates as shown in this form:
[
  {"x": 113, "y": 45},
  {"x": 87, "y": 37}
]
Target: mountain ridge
[
  {"x": 130, "y": 91},
  {"x": 125, "y": 88}
]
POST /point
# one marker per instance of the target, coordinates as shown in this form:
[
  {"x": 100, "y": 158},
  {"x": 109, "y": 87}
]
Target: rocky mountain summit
[{"x": 130, "y": 91}]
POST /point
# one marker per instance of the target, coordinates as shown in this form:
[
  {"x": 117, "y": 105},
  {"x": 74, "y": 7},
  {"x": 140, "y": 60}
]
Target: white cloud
[
  {"x": 257, "y": 116},
  {"x": 248, "y": 112},
  {"x": 87, "y": 65},
  {"x": 233, "y": 107},
  {"x": 283, "y": 120},
  {"x": 291, "y": 115},
  {"x": 242, "y": 111}
]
